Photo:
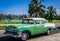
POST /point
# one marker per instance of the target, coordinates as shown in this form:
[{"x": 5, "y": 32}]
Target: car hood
[
  {"x": 13, "y": 27},
  {"x": 20, "y": 25}
]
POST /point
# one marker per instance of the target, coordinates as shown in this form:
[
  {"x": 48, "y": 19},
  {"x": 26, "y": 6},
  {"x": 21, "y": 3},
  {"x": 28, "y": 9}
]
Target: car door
[
  {"x": 37, "y": 22},
  {"x": 35, "y": 28},
  {"x": 42, "y": 27},
  {"x": 39, "y": 27}
]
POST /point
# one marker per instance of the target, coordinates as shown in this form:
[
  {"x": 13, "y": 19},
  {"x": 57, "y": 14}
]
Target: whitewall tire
[
  {"x": 25, "y": 36},
  {"x": 49, "y": 32}
]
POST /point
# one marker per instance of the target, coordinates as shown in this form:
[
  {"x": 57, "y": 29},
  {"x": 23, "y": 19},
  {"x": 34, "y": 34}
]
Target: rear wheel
[
  {"x": 25, "y": 36},
  {"x": 48, "y": 32}
]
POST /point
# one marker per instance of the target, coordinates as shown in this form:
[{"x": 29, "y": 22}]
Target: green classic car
[{"x": 28, "y": 27}]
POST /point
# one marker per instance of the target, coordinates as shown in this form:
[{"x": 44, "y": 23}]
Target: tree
[
  {"x": 10, "y": 17},
  {"x": 51, "y": 13},
  {"x": 23, "y": 16},
  {"x": 36, "y": 9},
  {"x": 58, "y": 17},
  {"x": 1, "y": 17}
]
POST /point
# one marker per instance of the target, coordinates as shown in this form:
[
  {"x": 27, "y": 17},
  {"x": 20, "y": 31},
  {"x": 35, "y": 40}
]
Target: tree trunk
[
  {"x": 0, "y": 19},
  {"x": 38, "y": 15}
]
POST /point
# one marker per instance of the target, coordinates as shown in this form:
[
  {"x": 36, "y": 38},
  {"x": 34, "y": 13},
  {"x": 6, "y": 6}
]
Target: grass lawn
[
  {"x": 10, "y": 22},
  {"x": 56, "y": 21},
  {"x": 18, "y": 22},
  {"x": 2, "y": 27}
]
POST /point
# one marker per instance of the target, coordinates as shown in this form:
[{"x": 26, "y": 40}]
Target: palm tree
[
  {"x": 51, "y": 13},
  {"x": 36, "y": 9}
]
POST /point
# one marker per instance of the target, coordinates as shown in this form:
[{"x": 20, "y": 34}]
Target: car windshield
[{"x": 27, "y": 21}]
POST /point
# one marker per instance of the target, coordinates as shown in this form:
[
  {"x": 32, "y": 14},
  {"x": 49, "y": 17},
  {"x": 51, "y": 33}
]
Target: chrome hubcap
[
  {"x": 48, "y": 32},
  {"x": 24, "y": 36}
]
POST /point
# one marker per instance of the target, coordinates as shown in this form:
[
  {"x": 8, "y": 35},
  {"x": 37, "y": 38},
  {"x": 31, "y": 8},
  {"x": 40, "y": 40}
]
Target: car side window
[
  {"x": 37, "y": 21},
  {"x": 43, "y": 21}
]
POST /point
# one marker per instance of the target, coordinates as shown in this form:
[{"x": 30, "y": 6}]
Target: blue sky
[{"x": 21, "y": 6}]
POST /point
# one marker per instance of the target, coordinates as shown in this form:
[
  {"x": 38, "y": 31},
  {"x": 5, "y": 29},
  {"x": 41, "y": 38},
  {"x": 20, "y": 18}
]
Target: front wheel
[{"x": 25, "y": 36}]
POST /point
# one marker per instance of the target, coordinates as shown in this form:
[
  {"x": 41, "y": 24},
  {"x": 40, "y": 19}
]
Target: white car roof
[{"x": 36, "y": 18}]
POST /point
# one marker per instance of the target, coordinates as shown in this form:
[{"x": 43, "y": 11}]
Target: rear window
[{"x": 43, "y": 21}]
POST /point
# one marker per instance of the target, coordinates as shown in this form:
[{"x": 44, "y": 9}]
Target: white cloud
[{"x": 58, "y": 11}]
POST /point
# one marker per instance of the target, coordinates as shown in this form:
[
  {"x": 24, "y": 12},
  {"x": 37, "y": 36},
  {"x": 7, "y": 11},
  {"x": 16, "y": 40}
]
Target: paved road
[
  {"x": 34, "y": 38},
  {"x": 53, "y": 37}
]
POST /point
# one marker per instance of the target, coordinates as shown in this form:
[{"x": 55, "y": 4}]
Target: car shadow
[
  {"x": 42, "y": 35},
  {"x": 7, "y": 38},
  {"x": 37, "y": 36}
]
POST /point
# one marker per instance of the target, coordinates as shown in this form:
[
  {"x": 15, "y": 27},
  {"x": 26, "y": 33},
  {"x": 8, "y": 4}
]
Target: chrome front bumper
[{"x": 11, "y": 35}]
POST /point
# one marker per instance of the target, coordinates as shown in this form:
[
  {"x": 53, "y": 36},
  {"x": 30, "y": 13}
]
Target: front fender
[{"x": 20, "y": 30}]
